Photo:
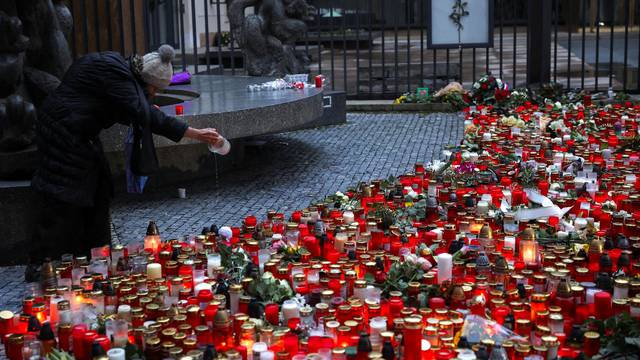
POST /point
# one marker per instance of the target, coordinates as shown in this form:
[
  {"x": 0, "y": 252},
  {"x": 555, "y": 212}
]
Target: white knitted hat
[{"x": 156, "y": 67}]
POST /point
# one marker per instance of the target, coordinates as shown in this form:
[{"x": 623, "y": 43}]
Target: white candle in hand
[
  {"x": 154, "y": 271},
  {"x": 445, "y": 267}
]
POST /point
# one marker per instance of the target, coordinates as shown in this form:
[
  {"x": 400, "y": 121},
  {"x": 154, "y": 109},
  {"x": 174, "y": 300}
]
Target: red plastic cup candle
[
  {"x": 319, "y": 80},
  {"x": 412, "y": 338},
  {"x": 602, "y": 305},
  {"x": 272, "y": 311},
  {"x": 179, "y": 109},
  {"x": 86, "y": 344}
]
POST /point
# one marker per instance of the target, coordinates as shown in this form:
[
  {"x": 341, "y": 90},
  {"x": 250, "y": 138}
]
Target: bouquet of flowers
[{"x": 490, "y": 90}]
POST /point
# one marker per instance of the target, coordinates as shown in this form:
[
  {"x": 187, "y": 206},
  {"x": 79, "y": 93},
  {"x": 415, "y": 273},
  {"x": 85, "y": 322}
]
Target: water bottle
[{"x": 222, "y": 149}]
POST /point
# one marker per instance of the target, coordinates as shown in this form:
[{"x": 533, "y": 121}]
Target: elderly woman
[{"x": 73, "y": 181}]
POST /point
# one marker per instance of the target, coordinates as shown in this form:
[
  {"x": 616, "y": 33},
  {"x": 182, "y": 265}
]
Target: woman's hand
[{"x": 209, "y": 135}]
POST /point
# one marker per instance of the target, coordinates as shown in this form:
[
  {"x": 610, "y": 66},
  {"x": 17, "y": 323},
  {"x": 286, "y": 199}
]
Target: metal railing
[{"x": 376, "y": 49}]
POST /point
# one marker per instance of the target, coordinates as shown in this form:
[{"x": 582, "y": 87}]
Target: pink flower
[{"x": 277, "y": 245}]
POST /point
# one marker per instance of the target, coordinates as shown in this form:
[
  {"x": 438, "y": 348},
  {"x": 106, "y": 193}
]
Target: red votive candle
[
  {"x": 291, "y": 342},
  {"x": 412, "y": 338},
  {"x": 602, "y": 305},
  {"x": 436, "y": 303},
  {"x": 250, "y": 220},
  {"x": 77, "y": 336},
  {"x": 591, "y": 343},
  {"x": 104, "y": 342},
  {"x": 179, "y": 109},
  {"x": 271, "y": 312},
  {"x": 318, "y": 80}
]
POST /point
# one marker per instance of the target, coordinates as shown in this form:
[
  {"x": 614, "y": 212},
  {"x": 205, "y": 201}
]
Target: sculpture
[
  {"x": 34, "y": 54},
  {"x": 268, "y": 37}
]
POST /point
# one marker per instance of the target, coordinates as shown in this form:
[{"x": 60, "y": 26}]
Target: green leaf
[{"x": 369, "y": 278}]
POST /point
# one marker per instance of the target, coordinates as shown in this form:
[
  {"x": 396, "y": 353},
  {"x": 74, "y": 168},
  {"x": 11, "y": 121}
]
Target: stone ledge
[{"x": 387, "y": 107}]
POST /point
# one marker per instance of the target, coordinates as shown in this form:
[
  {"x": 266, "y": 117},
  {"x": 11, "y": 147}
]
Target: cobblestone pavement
[{"x": 286, "y": 173}]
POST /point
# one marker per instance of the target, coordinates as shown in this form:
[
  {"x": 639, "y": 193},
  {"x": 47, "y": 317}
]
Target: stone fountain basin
[
  {"x": 171, "y": 97},
  {"x": 223, "y": 103}
]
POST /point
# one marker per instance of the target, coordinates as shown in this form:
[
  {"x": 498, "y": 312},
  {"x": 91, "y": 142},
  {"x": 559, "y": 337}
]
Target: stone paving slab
[{"x": 285, "y": 173}]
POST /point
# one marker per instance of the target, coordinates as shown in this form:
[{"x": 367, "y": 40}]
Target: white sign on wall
[{"x": 477, "y": 24}]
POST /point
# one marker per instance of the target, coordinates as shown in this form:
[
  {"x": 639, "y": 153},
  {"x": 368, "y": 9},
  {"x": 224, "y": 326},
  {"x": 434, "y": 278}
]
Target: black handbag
[{"x": 144, "y": 160}]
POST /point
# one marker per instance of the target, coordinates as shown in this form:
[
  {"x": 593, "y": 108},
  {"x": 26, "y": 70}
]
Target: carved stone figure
[
  {"x": 34, "y": 54},
  {"x": 268, "y": 37}
]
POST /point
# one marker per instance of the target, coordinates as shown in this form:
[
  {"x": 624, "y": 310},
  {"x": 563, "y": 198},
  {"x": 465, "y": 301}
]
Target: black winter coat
[{"x": 97, "y": 91}]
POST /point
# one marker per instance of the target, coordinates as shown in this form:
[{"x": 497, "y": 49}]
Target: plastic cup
[{"x": 222, "y": 149}]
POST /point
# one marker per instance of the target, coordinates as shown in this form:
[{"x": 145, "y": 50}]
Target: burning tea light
[{"x": 529, "y": 252}]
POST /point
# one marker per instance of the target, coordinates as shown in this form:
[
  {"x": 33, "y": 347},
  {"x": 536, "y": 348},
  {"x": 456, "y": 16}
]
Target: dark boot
[{"x": 32, "y": 272}]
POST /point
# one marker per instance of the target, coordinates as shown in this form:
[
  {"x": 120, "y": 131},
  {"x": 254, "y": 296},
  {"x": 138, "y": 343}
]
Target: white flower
[
  {"x": 411, "y": 258},
  {"x": 436, "y": 165},
  {"x": 298, "y": 298},
  {"x": 267, "y": 276},
  {"x": 225, "y": 232},
  {"x": 339, "y": 194}
]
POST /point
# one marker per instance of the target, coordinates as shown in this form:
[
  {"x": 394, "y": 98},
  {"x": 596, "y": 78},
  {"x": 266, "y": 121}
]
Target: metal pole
[{"x": 539, "y": 44}]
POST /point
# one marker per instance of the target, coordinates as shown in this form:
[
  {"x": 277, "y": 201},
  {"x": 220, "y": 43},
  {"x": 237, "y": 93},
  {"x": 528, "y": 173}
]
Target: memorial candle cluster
[{"x": 505, "y": 249}]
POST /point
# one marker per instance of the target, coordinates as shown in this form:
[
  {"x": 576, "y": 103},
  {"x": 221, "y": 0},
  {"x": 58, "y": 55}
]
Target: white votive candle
[
  {"x": 290, "y": 310},
  {"x": 258, "y": 349},
  {"x": 266, "y": 355},
  {"x": 445, "y": 267},
  {"x": 263, "y": 257},
  {"x": 154, "y": 271},
  {"x": 202, "y": 286},
  {"x": 124, "y": 312},
  {"x": 339, "y": 241},
  {"x": 116, "y": 354},
  {"x": 377, "y": 325},
  {"x": 591, "y": 293},
  {"x": 348, "y": 217},
  {"x": 510, "y": 241},
  {"x": 214, "y": 261},
  {"x": 482, "y": 208}
]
